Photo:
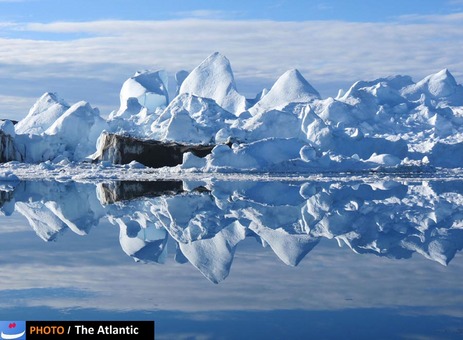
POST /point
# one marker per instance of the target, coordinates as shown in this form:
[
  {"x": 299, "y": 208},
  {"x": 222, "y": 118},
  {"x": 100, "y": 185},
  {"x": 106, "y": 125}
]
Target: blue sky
[
  {"x": 84, "y": 50},
  {"x": 289, "y": 10}
]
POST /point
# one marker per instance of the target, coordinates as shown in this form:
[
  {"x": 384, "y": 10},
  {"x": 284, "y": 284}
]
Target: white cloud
[
  {"x": 327, "y": 47},
  {"x": 12, "y": 105},
  {"x": 208, "y": 14},
  {"x": 454, "y": 18},
  {"x": 328, "y": 53}
]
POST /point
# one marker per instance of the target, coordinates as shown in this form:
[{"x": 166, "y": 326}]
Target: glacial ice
[
  {"x": 42, "y": 115},
  {"x": 149, "y": 88},
  {"x": 387, "y": 123},
  {"x": 214, "y": 79},
  {"x": 291, "y": 87}
]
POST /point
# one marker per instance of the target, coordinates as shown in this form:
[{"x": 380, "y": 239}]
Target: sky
[{"x": 85, "y": 50}]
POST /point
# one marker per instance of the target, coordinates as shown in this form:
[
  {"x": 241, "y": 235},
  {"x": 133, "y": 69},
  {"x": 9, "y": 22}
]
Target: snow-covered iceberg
[
  {"x": 42, "y": 115},
  {"x": 386, "y": 123},
  {"x": 214, "y": 79}
]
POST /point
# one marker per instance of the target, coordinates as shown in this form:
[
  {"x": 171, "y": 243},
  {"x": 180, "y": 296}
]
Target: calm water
[{"x": 238, "y": 260}]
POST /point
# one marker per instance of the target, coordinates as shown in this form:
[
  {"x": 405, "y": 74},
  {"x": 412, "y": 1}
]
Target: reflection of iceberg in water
[
  {"x": 207, "y": 220},
  {"x": 53, "y": 207},
  {"x": 139, "y": 235}
]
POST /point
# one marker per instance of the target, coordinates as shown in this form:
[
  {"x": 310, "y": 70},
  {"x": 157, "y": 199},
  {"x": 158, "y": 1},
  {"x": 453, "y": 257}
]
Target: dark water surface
[{"x": 238, "y": 260}]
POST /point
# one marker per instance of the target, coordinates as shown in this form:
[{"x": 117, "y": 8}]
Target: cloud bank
[{"x": 90, "y": 60}]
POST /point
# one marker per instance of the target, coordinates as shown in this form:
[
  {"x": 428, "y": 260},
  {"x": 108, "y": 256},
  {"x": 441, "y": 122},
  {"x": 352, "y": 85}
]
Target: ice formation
[
  {"x": 42, "y": 115},
  {"x": 390, "y": 122},
  {"x": 149, "y": 88},
  {"x": 214, "y": 79}
]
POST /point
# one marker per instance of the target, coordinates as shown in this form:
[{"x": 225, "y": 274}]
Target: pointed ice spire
[
  {"x": 439, "y": 85},
  {"x": 213, "y": 79},
  {"x": 291, "y": 87},
  {"x": 42, "y": 114}
]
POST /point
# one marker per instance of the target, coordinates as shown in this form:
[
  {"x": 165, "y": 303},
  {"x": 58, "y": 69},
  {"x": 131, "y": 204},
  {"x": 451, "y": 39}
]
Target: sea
[{"x": 245, "y": 258}]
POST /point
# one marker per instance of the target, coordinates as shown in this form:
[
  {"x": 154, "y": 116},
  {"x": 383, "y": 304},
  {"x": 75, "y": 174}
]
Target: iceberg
[
  {"x": 73, "y": 135},
  {"x": 149, "y": 88},
  {"x": 191, "y": 119},
  {"x": 214, "y": 79},
  {"x": 439, "y": 86},
  {"x": 291, "y": 87},
  {"x": 42, "y": 115},
  {"x": 382, "y": 124}
]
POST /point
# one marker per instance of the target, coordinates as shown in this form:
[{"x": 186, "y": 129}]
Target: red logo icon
[{"x": 12, "y": 325}]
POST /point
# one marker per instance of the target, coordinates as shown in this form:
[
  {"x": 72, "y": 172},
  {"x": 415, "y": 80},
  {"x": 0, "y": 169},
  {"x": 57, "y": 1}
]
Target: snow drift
[{"x": 389, "y": 122}]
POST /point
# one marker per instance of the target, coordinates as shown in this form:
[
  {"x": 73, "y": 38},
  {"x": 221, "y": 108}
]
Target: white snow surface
[
  {"x": 291, "y": 87},
  {"x": 72, "y": 136},
  {"x": 214, "y": 79},
  {"x": 387, "y": 123},
  {"x": 192, "y": 120},
  {"x": 42, "y": 115}
]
